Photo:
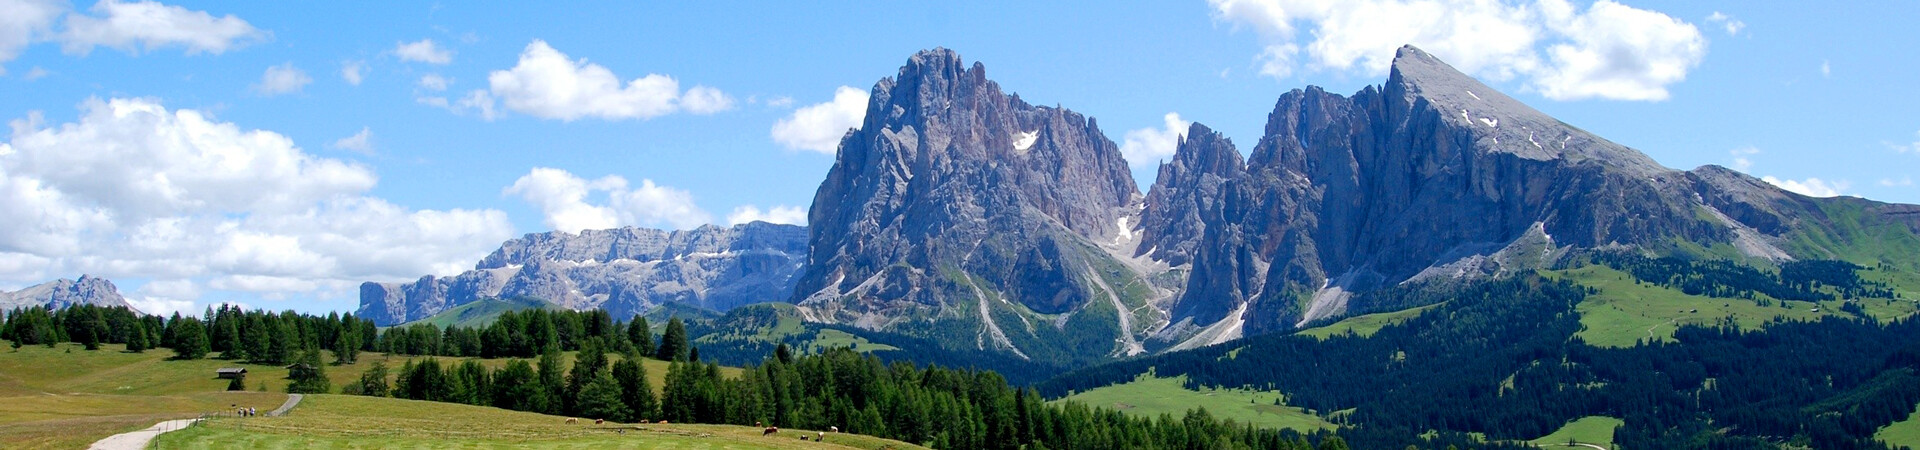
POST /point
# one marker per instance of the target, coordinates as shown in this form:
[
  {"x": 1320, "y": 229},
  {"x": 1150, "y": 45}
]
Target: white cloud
[
  {"x": 34, "y": 74},
  {"x": 1811, "y": 187},
  {"x": 132, "y": 189},
  {"x": 424, "y": 50},
  {"x": 1906, "y": 148},
  {"x": 705, "y": 100},
  {"x": 567, "y": 201},
  {"x": 1732, "y": 25},
  {"x": 22, "y": 21},
  {"x": 433, "y": 82},
  {"x": 148, "y": 25},
  {"x": 820, "y": 126},
  {"x": 360, "y": 142},
  {"x": 790, "y": 215},
  {"x": 1826, "y": 68},
  {"x": 282, "y": 79},
  {"x": 478, "y": 102},
  {"x": 354, "y": 71},
  {"x": 161, "y": 306},
  {"x": 780, "y": 102},
  {"x": 548, "y": 84},
  {"x": 1902, "y": 182},
  {"x": 1608, "y": 51},
  {"x": 1743, "y": 157},
  {"x": 1147, "y": 146}
]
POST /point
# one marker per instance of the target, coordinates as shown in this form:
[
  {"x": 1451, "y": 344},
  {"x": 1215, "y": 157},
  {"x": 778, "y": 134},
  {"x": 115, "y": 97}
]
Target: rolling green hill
[{"x": 1150, "y": 396}]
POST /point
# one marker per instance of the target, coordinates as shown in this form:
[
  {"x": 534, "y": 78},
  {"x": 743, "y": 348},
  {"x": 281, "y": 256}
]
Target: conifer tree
[
  {"x": 193, "y": 340},
  {"x": 634, "y": 390},
  {"x": 137, "y": 339},
  {"x": 641, "y": 335},
  {"x": 600, "y": 399},
  {"x": 673, "y": 343}
]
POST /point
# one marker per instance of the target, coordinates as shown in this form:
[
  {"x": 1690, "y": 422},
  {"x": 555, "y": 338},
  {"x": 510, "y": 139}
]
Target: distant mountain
[
  {"x": 626, "y": 271},
  {"x": 61, "y": 293}
]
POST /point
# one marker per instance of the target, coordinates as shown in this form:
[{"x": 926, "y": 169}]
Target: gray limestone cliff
[{"x": 61, "y": 293}]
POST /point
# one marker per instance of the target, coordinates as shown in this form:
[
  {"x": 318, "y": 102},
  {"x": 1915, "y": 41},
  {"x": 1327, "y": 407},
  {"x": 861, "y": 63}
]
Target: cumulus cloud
[
  {"x": 1726, "y": 22},
  {"x": 22, "y": 21},
  {"x": 1811, "y": 187},
  {"x": 359, "y": 142},
  {"x": 424, "y": 50},
  {"x": 790, "y": 215},
  {"x": 569, "y": 202},
  {"x": 282, "y": 79},
  {"x": 149, "y": 25},
  {"x": 820, "y": 126},
  {"x": 1608, "y": 51},
  {"x": 780, "y": 102},
  {"x": 549, "y": 84},
  {"x": 1902, "y": 182},
  {"x": 1147, "y": 146},
  {"x": 132, "y": 189},
  {"x": 354, "y": 71},
  {"x": 1743, "y": 157}
]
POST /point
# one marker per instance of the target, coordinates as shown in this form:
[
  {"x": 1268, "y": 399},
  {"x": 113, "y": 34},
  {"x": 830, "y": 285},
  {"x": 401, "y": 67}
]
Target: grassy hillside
[
  {"x": 335, "y": 421},
  {"x": 1626, "y": 312},
  {"x": 1595, "y": 430},
  {"x": 1365, "y": 325},
  {"x": 1150, "y": 396},
  {"x": 66, "y": 397},
  {"x": 1902, "y": 433},
  {"x": 482, "y": 312}
]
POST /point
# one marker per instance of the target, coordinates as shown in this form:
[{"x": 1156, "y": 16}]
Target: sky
[{"x": 277, "y": 155}]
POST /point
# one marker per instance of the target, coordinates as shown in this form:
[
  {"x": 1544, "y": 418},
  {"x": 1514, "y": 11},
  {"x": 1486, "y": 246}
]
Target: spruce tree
[
  {"x": 673, "y": 343},
  {"x": 239, "y": 382},
  {"x": 312, "y": 376},
  {"x": 600, "y": 399},
  {"x": 551, "y": 383},
  {"x": 373, "y": 382},
  {"x": 137, "y": 339},
  {"x": 346, "y": 347},
  {"x": 193, "y": 340},
  {"x": 635, "y": 392},
  {"x": 641, "y": 335}
]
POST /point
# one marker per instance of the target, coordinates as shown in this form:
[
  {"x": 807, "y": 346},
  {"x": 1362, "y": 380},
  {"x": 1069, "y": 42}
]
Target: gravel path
[
  {"x": 292, "y": 399},
  {"x": 137, "y": 440}
]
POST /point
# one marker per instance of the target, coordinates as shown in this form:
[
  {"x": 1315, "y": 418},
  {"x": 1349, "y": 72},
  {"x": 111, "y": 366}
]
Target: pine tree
[
  {"x": 373, "y": 382},
  {"x": 600, "y": 399},
  {"x": 137, "y": 339},
  {"x": 346, "y": 347},
  {"x": 673, "y": 343},
  {"x": 641, "y": 335},
  {"x": 588, "y": 365},
  {"x": 239, "y": 382},
  {"x": 310, "y": 376},
  {"x": 551, "y": 383},
  {"x": 193, "y": 340},
  {"x": 635, "y": 392}
]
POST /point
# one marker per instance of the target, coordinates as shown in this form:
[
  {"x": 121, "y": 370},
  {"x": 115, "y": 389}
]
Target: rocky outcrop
[
  {"x": 967, "y": 207},
  {"x": 61, "y": 293},
  {"x": 1187, "y": 195},
  {"x": 625, "y": 271}
]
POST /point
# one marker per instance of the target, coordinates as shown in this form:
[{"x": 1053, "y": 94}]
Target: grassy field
[
  {"x": 1365, "y": 325},
  {"x": 1151, "y": 396},
  {"x": 1903, "y": 433},
  {"x": 1596, "y": 430},
  {"x": 67, "y": 397},
  {"x": 1625, "y": 313},
  {"x": 336, "y": 421}
]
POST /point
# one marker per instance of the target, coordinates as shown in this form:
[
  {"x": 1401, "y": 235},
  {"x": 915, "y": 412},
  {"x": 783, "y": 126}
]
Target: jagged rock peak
[
  {"x": 62, "y": 293},
  {"x": 1186, "y": 194}
]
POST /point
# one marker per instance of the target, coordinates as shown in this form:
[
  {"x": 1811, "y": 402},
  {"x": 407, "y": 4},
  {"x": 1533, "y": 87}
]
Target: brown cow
[
  {"x": 599, "y": 421},
  {"x": 770, "y": 431}
]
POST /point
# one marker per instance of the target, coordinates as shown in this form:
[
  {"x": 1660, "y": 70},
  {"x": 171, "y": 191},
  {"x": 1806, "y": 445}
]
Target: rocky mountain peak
[
  {"x": 61, "y": 293},
  {"x": 1187, "y": 194}
]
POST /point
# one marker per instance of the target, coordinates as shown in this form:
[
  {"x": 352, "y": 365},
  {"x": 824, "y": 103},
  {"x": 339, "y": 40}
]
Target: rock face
[
  {"x": 1433, "y": 175},
  {"x": 625, "y": 271},
  {"x": 1187, "y": 195},
  {"x": 61, "y": 293},
  {"x": 958, "y": 210}
]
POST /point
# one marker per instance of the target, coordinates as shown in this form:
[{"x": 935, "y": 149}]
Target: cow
[
  {"x": 833, "y": 429},
  {"x": 571, "y": 421},
  {"x": 770, "y": 431},
  {"x": 599, "y": 421}
]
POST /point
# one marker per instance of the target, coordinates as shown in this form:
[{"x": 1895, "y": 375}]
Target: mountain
[
  {"x": 959, "y": 211},
  {"x": 963, "y": 214},
  {"x": 626, "y": 271},
  {"x": 61, "y": 293},
  {"x": 1434, "y": 176}
]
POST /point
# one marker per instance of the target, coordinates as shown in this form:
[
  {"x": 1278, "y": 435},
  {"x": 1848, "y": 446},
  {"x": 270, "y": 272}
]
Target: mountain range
[
  {"x": 961, "y": 213},
  {"x": 61, "y": 293}
]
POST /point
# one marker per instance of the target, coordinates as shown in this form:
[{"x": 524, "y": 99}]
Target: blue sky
[{"x": 276, "y": 155}]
